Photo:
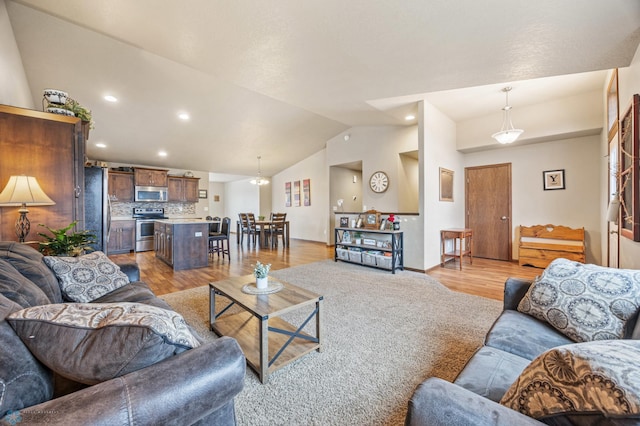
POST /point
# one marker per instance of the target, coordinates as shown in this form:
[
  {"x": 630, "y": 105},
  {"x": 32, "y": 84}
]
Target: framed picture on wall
[
  {"x": 553, "y": 179},
  {"x": 202, "y": 193},
  {"x": 287, "y": 194},
  {"x": 306, "y": 191},
  {"x": 296, "y": 193},
  {"x": 446, "y": 184}
]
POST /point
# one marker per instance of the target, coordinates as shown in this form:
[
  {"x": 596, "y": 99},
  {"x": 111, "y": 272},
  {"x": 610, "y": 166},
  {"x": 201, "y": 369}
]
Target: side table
[{"x": 462, "y": 244}]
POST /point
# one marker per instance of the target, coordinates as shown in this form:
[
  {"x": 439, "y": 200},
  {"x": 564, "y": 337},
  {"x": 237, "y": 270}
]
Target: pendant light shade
[
  {"x": 259, "y": 180},
  {"x": 507, "y": 133}
]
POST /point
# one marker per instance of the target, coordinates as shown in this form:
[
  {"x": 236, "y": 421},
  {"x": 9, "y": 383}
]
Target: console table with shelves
[{"x": 371, "y": 249}]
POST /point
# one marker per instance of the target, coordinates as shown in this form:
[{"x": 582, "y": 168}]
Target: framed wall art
[
  {"x": 202, "y": 193},
  {"x": 296, "y": 193},
  {"x": 287, "y": 194},
  {"x": 306, "y": 191},
  {"x": 629, "y": 182},
  {"x": 553, "y": 179},
  {"x": 446, "y": 184}
]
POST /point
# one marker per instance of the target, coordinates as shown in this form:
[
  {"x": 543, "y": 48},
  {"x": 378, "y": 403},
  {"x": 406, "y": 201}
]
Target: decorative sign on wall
[
  {"x": 296, "y": 193},
  {"x": 287, "y": 194},
  {"x": 306, "y": 190},
  {"x": 553, "y": 179}
]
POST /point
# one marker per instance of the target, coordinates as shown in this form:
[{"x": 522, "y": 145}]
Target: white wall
[
  {"x": 628, "y": 84},
  {"x": 14, "y": 88},
  {"x": 439, "y": 150},
  {"x": 216, "y": 208},
  {"x": 306, "y": 222},
  {"x": 240, "y": 197},
  {"x": 576, "y": 206}
]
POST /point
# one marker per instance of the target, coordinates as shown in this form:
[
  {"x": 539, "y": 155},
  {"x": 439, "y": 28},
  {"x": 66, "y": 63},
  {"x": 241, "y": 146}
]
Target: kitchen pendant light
[
  {"x": 507, "y": 133},
  {"x": 259, "y": 180}
]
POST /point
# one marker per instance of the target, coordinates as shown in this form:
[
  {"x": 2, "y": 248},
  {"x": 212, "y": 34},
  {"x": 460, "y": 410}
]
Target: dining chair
[
  {"x": 277, "y": 228},
  {"x": 217, "y": 241},
  {"x": 252, "y": 229},
  {"x": 214, "y": 230},
  {"x": 243, "y": 226}
]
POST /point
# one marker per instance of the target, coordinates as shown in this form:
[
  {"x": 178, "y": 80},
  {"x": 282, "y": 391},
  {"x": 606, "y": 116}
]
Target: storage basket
[
  {"x": 343, "y": 254},
  {"x": 384, "y": 261},
  {"x": 369, "y": 258},
  {"x": 355, "y": 256}
]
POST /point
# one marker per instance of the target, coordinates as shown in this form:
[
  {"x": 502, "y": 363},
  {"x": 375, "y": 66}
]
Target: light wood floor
[{"x": 483, "y": 278}]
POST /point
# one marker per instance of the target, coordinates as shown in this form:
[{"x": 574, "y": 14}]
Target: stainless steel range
[{"x": 145, "y": 217}]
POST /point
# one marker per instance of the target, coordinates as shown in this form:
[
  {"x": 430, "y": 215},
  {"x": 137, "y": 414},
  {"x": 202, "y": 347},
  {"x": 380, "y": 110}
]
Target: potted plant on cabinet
[
  {"x": 59, "y": 243},
  {"x": 358, "y": 237}
]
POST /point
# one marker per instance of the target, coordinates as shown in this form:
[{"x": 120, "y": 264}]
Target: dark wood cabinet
[
  {"x": 183, "y": 189},
  {"x": 150, "y": 177},
  {"x": 182, "y": 245},
  {"x": 51, "y": 148},
  {"x": 121, "y": 186},
  {"x": 122, "y": 238}
]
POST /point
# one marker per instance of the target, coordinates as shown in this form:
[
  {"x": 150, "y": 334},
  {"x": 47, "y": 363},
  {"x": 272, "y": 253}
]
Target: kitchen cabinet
[
  {"x": 120, "y": 186},
  {"x": 163, "y": 242},
  {"x": 122, "y": 238},
  {"x": 150, "y": 177},
  {"x": 51, "y": 148},
  {"x": 182, "y": 244},
  {"x": 183, "y": 189},
  {"x": 370, "y": 247}
]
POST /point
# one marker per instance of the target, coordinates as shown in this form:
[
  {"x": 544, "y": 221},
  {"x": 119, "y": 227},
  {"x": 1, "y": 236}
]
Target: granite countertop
[
  {"x": 116, "y": 218},
  {"x": 177, "y": 221}
]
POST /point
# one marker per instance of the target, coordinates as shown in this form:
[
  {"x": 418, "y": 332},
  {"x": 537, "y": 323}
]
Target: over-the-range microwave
[{"x": 156, "y": 194}]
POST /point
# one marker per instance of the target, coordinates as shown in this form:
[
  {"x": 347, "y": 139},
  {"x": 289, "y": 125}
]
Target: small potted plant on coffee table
[{"x": 261, "y": 272}]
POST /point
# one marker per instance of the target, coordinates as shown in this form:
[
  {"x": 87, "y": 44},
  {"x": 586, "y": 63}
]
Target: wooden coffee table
[{"x": 268, "y": 342}]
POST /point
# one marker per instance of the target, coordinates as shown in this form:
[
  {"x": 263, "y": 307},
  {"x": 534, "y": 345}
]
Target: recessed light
[
  {"x": 183, "y": 116},
  {"x": 110, "y": 98},
  {"x": 410, "y": 117},
  {"x": 101, "y": 145},
  {"x": 162, "y": 153}
]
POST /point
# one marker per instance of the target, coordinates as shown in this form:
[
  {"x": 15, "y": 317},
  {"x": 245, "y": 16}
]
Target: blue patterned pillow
[
  {"x": 584, "y": 302},
  {"x": 88, "y": 277},
  {"x": 593, "y": 378}
]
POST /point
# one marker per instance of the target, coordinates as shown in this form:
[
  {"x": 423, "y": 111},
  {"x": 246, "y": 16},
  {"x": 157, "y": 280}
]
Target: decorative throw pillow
[
  {"x": 24, "y": 381},
  {"x": 584, "y": 302},
  {"x": 94, "y": 342},
  {"x": 85, "y": 278},
  {"x": 593, "y": 378},
  {"x": 14, "y": 286}
]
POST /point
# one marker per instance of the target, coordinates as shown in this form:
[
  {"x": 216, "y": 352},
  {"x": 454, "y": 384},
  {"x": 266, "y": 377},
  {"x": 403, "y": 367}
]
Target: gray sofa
[
  {"x": 513, "y": 341},
  {"x": 195, "y": 386}
]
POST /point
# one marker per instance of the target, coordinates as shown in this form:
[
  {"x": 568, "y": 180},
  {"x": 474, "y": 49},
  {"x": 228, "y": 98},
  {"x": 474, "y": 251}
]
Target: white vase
[{"x": 262, "y": 283}]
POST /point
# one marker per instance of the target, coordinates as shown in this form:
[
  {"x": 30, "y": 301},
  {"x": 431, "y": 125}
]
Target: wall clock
[{"x": 379, "y": 182}]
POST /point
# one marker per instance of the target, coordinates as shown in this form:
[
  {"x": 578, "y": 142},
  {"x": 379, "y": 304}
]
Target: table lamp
[{"x": 22, "y": 191}]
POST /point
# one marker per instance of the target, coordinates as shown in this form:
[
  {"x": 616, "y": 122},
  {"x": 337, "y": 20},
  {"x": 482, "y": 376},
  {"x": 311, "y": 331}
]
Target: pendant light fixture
[
  {"x": 507, "y": 133},
  {"x": 259, "y": 180}
]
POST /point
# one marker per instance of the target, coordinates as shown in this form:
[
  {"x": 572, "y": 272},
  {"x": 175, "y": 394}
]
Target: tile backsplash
[{"x": 170, "y": 209}]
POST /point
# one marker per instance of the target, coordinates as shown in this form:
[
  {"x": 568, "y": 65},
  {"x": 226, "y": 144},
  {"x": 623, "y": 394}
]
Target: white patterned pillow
[
  {"x": 94, "y": 342},
  {"x": 584, "y": 302},
  {"x": 88, "y": 277},
  {"x": 592, "y": 378}
]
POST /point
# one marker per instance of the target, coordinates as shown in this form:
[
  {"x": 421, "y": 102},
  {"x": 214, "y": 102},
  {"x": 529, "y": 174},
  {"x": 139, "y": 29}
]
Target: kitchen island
[{"x": 182, "y": 243}]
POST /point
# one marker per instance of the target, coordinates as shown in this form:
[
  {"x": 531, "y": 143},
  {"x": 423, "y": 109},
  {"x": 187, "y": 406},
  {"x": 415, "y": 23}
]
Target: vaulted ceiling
[{"x": 278, "y": 79}]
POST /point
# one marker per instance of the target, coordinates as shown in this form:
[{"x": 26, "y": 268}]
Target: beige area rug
[{"x": 384, "y": 334}]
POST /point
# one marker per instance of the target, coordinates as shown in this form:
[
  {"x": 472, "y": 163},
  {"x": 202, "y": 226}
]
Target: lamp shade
[
  {"x": 24, "y": 190},
  {"x": 507, "y": 136}
]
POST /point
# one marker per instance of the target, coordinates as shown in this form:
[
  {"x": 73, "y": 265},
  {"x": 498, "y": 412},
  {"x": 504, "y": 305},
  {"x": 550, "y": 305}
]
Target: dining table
[{"x": 262, "y": 226}]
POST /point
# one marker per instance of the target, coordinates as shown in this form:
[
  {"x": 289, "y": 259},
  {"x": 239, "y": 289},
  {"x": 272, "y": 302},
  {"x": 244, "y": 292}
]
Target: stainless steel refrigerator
[{"x": 97, "y": 207}]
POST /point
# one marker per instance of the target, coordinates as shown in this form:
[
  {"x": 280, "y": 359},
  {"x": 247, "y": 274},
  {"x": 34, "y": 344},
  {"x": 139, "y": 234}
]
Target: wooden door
[{"x": 488, "y": 208}]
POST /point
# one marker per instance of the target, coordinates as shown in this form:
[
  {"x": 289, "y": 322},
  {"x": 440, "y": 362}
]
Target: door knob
[{"x": 504, "y": 218}]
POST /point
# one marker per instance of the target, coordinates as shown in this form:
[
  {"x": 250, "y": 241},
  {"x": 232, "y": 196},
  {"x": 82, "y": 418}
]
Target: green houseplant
[
  {"x": 61, "y": 243},
  {"x": 261, "y": 272}
]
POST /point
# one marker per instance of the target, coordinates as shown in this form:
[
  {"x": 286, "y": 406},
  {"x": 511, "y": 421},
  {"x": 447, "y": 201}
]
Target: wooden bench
[{"x": 539, "y": 245}]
